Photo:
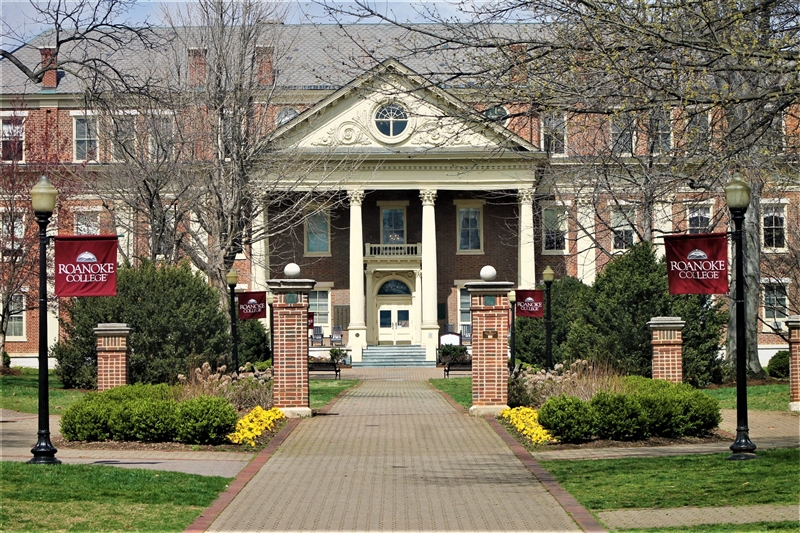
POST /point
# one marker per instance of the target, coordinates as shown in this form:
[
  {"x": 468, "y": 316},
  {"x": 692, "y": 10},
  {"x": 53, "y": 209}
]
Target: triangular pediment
[{"x": 391, "y": 110}]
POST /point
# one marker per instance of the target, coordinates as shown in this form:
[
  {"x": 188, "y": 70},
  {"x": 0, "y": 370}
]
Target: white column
[
  {"x": 587, "y": 248},
  {"x": 430, "y": 324},
  {"x": 357, "y": 330},
  {"x": 526, "y": 251},
  {"x": 662, "y": 224}
]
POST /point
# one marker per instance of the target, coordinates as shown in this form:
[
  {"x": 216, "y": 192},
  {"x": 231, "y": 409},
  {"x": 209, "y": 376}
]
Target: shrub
[
  {"x": 778, "y": 366},
  {"x": 253, "y": 341},
  {"x": 569, "y": 418},
  {"x": 88, "y": 419},
  {"x": 452, "y": 352},
  {"x": 619, "y": 416},
  {"x": 338, "y": 355},
  {"x": 6, "y": 359},
  {"x": 174, "y": 316},
  {"x": 205, "y": 420},
  {"x": 146, "y": 419}
]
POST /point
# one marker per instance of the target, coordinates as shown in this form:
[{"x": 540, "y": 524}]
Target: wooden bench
[
  {"x": 323, "y": 366},
  {"x": 457, "y": 366}
]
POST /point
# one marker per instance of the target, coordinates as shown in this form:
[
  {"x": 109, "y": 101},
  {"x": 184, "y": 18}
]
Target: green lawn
[
  {"x": 755, "y": 527},
  {"x": 459, "y": 389},
  {"x": 101, "y": 498},
  {"x": 21, "y": 393},
  {"x": 759, "y": 397},
  {"x": 322, "y": 391},
  {"x": 697, "y": 480}
]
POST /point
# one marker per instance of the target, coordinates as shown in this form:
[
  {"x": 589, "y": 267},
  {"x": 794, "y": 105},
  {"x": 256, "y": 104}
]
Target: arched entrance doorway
[{"x": 394, "y": 316}]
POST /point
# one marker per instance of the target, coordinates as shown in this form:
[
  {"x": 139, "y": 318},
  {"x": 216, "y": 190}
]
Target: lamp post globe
[
  {"x": 232, "y": 278},
  {"x": 43, "y": 201},
  {"x": 737, "y": 195}
]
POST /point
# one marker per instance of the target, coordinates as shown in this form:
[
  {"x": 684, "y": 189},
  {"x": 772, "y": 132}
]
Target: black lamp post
[
  {"x": 548, "y": 276},
  {"x": 737, "y": 195},
  {"x": 43, "y": 198},
  {"x": 270, "y": 301},
  {"x": 512, "y": 300},
  {"x": 232, "y": 279}
]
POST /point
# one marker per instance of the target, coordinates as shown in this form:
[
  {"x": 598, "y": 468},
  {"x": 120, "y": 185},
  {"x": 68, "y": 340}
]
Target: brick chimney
[
  {"x": 265, "y": 73},
  {"x": 197, "y": 67},
  {"x": 50, "y": 79}
]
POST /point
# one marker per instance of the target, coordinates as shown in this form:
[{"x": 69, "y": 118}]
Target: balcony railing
[{"x": 393, "y": 250}]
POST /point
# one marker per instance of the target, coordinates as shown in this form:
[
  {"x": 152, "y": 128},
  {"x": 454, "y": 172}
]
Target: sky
[{"x": 18, "y": 17}]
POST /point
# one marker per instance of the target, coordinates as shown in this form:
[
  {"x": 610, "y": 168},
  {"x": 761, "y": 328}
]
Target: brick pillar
[
  {"x": 490, "y": 315},
  {"x": 667, "y": 344},
  {"x": 793, "y": 323},
  {"x": 113, "y": 355},
  {"x": 290, "y": 357}
]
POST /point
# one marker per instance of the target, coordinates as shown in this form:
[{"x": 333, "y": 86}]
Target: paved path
[{"x": 394, "y": 455}]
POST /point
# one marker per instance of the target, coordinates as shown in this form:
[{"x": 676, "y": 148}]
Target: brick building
[{"x": 433, "y": 193}]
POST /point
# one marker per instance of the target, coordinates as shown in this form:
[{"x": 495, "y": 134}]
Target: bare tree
[{"x": 652, "y": 100}]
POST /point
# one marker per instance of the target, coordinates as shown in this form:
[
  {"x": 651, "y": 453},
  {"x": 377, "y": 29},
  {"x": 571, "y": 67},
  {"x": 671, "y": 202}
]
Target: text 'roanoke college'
[
  {"x": 86, "y": 272},
  {"x": 698, "y": 269}
]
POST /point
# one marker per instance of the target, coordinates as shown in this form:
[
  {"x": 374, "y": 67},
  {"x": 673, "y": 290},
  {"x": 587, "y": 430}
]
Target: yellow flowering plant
[
  {"x": 526, "y": 421},
  {"x": 254, "y": 424}
]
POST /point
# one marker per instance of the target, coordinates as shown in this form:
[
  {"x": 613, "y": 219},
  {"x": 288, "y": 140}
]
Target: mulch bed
[{"x": 654, "y": 441}]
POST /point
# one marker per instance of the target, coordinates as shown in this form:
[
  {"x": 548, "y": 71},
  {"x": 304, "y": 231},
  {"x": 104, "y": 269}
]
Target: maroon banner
[
  {"x": 530, "y": 303},
  {"x": 252, "y": 305},
  {"x": 86, "y": 265},
  {"x": 310, "y": 320},
  {"x": 697, "y": 264}
]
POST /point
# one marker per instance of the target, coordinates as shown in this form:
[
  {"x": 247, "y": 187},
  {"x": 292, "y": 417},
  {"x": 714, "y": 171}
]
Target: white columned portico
[
  {"x": 526, "y": 252},
  {"x": 587, "y": 248},
  {"x": 430, "y": 323},
  {"x": 357, "y": 329}
]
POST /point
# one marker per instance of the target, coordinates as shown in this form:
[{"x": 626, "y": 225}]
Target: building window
[
  {"x": 318, "y": 304},
  {"x": 554, "y": 133},
  {"x": 699, "y": 219},
  {"x": 497, "y": 114},
  {"x": 317, "y": 233},
  {"x": 87, "y": 223},
  {"x": 660, "y": 131},
  {"x": 622, "y": 128},
  {"x": 16, "y": 320},
  {"x": 12, "y": 234},
  {"x": 86, "y": 139},
  {"x": 775, "y": 304},
  {"x": 393, "y": 225},
  {"x": 391, "y": 120},
  {"x": 772, "y": 139},
  {"x": 161, "y": 136},
  {"x": 163, "y": 233},
  {"x": 622, "y": 219},
  {"x": 285, "y": 115},
  {"x": 774, "y": 226},
  {"x": 464, "y": 303},
  {"x": 231, "y": 131},
  {"x": 13, "y": 136},
  {"x": 469, "y": 229},
  {"x": 554, "y": 228},
  {"x": 698, "y": 132},
  {"x": 123, "y": 143}
]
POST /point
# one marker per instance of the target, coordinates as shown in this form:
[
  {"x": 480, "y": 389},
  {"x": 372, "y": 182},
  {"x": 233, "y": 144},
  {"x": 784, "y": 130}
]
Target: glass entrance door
[{"x": 394, "y": 324}]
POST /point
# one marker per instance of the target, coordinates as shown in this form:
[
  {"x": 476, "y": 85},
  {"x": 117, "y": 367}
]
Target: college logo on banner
[
  {"x": 697, "y": 264},
  {"x": 86, "y": 265},
  {"x": 530, "y": 303},
  {"x": 252, "y": 305}
]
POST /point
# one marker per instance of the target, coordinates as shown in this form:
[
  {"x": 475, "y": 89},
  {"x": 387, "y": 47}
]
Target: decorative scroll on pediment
[
  {"x": 440, "y": 132},
  {"x": 348, "y": 133}
]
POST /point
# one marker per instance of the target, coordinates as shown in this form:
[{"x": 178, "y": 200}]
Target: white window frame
[
  {"x": 113, "y": 144},
  {"x": 701, "y": 205},
  {"x": 18, "y": 229},
  {"x": 651, "y": 133},
  {"x": 392, "y": 205},
  {"x": 773, "y": 324},
  {"x": 613, "y": 124},
  {"x": 564, "y": 207},
  {"x": 549, "y": 117},
  {"x": 306, "y": 233},
  {"x": 497, "y": 114},
  {"x": 151, "y": 146},
  {"x": 22, "y": 319},
  {"x": 461, "y": 309},
  {"x": 82, "y": 212},
  {"x": 313, "y": 306},
  {"x": 285, "y": 115},
  {"x": 469, "y": 204},
  {"x": 692, "y": 142},
  {"x": 628, "y": 221},
  {"x": 88, "y": 116},
  {"x": 782, "y": 204},
  {"x": 7, "y": 116}
]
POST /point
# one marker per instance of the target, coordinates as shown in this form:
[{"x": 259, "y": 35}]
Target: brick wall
[
  {"x": 667, "y": 342},
  {"x": 290, "y": 388},
  {"x": 489, "y": 350},
  {"x": 113, "y": 355},
  {"x": 794, "y": 362}
]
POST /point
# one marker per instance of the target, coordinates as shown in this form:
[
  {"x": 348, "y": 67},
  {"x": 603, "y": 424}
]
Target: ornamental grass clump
[
  {"x": 581, "y": 379},
  {"x": 244, "y": 391},
  {"x": 251, "y": 426},
  {"x": 526, "y": 421}
]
